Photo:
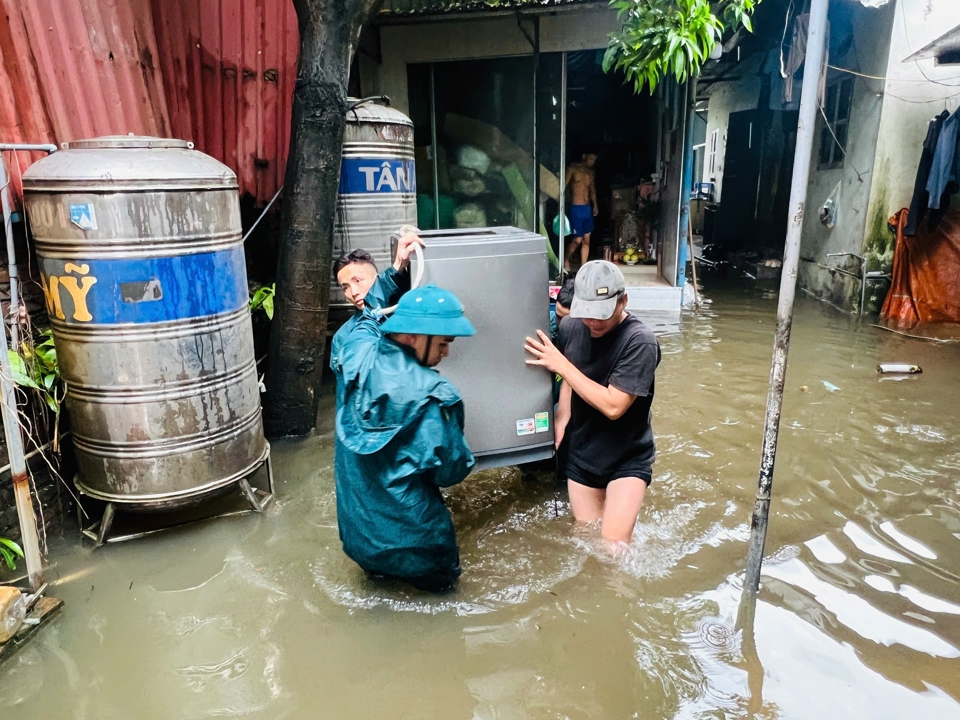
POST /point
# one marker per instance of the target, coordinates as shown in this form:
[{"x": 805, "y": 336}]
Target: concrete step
[{"x": 653, "y": 298}]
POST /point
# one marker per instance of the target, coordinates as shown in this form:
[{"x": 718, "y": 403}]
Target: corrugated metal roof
[
  {"x": 946, "y": 44},
  {"x": 217, "y": 72},
  {"x": 399, "y": 8}
]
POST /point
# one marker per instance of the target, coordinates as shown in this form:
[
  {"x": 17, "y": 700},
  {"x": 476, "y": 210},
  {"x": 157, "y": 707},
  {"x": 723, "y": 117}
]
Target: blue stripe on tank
[
  {"x": 365, "y": 176},
  {"x": 144, "y": 290}
]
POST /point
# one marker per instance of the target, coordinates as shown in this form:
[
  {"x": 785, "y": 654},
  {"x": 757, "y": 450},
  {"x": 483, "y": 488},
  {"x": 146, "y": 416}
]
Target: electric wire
[{"x": 885, "y": 79}]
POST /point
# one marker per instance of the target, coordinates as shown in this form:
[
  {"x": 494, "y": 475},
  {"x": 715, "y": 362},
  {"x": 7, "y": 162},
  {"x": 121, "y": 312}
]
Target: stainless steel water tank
[
  {"x": 140, "y": 253},
  {"x": 378, "y": 185},
  {"x": 501, "y": 276}
]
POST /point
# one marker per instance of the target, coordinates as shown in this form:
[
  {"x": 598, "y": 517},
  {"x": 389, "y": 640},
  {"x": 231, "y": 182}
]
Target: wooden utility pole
[{"x": 329, "y": 34}]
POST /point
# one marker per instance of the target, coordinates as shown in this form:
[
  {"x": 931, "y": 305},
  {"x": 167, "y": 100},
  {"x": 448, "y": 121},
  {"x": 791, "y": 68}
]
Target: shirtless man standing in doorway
[{"x": 583, "y": 190}]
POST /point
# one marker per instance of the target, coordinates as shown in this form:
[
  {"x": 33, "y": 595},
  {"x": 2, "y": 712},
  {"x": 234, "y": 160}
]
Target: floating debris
[{"x": 898, "y": 368}]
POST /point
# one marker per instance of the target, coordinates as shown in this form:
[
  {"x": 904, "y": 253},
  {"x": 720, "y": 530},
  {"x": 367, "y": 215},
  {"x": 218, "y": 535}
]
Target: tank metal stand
[{"x": 258, "y": 499}]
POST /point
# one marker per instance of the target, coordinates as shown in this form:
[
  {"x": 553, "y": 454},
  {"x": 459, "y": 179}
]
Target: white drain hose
[{"x": 415, "y": 283}]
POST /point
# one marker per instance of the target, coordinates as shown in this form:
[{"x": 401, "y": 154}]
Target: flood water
[{"x": 859, "y": 615}]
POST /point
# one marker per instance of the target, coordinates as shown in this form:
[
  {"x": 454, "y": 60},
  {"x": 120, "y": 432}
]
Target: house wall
[
  {"x": 400, "y": 45},
  {"x": 911, "y": 97},
  {"x": 869, "y": 54},
  {"x": 727, "y": 98}
]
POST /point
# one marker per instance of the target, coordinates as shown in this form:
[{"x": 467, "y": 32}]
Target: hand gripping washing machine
[
  {"x": 501, "y": 276},
  {"x": 139, "y": 245}
]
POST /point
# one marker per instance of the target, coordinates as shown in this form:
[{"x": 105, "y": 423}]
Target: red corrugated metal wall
[
  {"x": 78, "y": 68},
  {"x": 217, "y": 72},
  {"x": 229, "y": 67}
]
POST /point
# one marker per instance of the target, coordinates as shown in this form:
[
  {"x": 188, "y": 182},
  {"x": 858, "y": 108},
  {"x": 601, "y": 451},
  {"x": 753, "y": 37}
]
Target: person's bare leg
[
  {"x": 585, "y": 249},
  {"x": 571, "y": 246},
  {"x": 586, "y": 502},
  {"x": 624, "y": 498}
]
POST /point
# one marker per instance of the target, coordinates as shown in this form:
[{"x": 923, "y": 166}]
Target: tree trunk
[{"x": 329, "y": 33}]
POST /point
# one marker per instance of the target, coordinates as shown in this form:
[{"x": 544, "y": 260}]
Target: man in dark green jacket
[
  {"x": 357, "y": 276},
  {"x": 400, "y": 439}
]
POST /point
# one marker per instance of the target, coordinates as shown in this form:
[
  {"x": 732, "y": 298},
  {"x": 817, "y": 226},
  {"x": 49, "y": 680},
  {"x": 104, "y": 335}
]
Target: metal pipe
[
  {"x": 863, "y": 285},
  {"x": 834, "y": 268},
  {"x": 686, "y": 181},
  {"x": 536, "y": 97},
  {"x": 14, "y": 272},
  {"x": 29, "y": 147},
  {"x": 433, "y": 144},
  {"x": 788, "y": 286},
  {"x": 11, "y": 423},
  {"x": 862, "y": 276},
  {"x": 35, "y": 452},
  {"x": 13, "y": 308},
  {"x": 562, "y": 223},
  {"x": 18, "y": 470}
]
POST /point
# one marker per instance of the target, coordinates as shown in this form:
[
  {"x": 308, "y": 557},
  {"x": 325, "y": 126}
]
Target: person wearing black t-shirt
[{"x": 607, "y": 359}]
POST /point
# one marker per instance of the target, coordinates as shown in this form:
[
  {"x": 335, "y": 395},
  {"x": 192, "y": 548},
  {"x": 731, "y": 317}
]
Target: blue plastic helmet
[{"x": 429, "y": 311}]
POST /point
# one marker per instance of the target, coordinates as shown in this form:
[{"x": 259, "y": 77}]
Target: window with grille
[{"x": 835, "y": 130}]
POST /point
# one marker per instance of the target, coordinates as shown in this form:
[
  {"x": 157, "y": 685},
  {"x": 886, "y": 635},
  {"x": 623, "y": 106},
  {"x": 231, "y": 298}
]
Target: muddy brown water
[{"x": 264, "y": 617}]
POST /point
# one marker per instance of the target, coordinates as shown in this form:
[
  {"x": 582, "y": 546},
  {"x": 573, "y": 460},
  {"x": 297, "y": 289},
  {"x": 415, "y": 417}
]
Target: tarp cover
[{"x": 926, "y": 273}]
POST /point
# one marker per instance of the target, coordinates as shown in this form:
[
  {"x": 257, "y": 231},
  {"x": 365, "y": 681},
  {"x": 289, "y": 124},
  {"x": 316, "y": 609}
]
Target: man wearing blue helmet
[{"x": 400, "y": 439}]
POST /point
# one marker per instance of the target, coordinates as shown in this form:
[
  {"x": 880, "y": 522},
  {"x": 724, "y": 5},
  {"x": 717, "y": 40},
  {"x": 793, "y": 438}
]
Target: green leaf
[
  {"x": 18, "y": 371},
  {"x": 9, "y": 558},
  {"x": 263, "y": 298},
  {"x": 12, "y": 546},
  {"x": 610, "y": 57},
  {"x": 52, "y": 403},
  {"x": 661, "y": 38}
]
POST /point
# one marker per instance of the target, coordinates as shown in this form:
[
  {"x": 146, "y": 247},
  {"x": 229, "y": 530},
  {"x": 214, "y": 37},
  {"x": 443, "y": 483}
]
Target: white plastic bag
[
  {"x": 473, "y": 158},
  {"x": 830, "y": 209}
]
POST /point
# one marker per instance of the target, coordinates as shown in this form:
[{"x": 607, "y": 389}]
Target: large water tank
[
  {"x": 140, "y": 253},
  {"x": 501, "y": 276},
  {"x": 378, "y": 185}
]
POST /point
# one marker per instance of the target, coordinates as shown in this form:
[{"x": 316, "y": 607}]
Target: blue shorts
[{"x": 581, "y": 220}]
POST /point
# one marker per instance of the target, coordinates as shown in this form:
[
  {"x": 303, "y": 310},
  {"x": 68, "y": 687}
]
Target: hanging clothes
[
  {"x": 796, "y": 57},
  {"x": 925, "y": 287},
  {"x": 942, "y": 170},
  {"x": 919, "y": 202},
  {"x": 771, "y": 68},
  {"x": 798, "y": 51}
]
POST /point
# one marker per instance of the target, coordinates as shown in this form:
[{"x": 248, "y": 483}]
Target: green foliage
[
  {"x": 660, "y": 38},
  {"x": 263, "y": 300},
  {"x": 10, "y": 551},
  {"x": 37, "y": 369}
]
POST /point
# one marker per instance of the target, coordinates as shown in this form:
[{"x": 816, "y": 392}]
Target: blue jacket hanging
[{"x": 943, "y": 170}]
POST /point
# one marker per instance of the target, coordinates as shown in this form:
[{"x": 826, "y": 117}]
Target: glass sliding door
[{"x": 479, "y": 170}]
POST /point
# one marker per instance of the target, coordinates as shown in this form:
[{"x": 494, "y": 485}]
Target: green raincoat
[{"x": 399, "y": 440}]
